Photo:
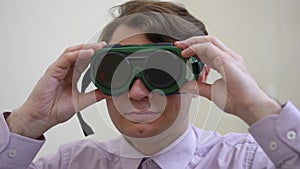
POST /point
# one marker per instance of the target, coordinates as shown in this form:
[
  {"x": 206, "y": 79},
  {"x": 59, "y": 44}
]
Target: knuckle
[
  {"x": 196, "y": 39},
  {"x": 67, "y": 55},
  {"x": 68, "y": 49},
  {"x": 195, "y": 48},
  {"x": 212, "y": 38}
]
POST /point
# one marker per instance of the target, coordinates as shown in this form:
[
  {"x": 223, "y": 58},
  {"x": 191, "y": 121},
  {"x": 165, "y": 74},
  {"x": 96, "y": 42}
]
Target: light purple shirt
[{"x": 278, "y": 137}]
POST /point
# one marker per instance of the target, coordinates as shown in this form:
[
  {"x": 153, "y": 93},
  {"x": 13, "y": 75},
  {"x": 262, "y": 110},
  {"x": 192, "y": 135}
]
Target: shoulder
[
  {"x": 88, "y": 147},
  {"x": 233, "y": 149},
  {"x": 231, "y": 139},
  {"x": 79, "y": 154},
  {"x": 232, "y": 143}
]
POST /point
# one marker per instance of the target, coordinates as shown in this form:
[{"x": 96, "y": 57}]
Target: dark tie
[
  {"x": 149, "y": 163},
  {"x": 140, "y": 166}
]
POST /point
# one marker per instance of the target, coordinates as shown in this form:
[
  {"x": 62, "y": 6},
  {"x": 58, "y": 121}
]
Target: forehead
[{"x": 126, "y": 35}]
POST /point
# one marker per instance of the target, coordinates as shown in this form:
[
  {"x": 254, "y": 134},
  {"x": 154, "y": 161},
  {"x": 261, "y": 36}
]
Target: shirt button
[
  {"x": 291, "y": 135},
  {"x": 273, "y": 145},
  {"x": 12, "y": 153}
]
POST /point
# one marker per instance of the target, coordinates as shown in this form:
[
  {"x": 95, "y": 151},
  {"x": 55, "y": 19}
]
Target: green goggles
[{"x": 160, "y": 66}]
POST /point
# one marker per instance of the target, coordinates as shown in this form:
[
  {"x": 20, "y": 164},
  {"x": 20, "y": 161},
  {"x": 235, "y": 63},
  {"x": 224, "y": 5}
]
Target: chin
[{"x": 139, "y": 130}]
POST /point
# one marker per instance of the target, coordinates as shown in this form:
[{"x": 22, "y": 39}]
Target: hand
[
  {"x": 236, "y": 92},
  {"x": 55, "y": 98}
]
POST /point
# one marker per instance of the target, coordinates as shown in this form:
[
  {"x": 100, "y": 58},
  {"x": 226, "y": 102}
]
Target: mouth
[{"x": 142, "y": 116}]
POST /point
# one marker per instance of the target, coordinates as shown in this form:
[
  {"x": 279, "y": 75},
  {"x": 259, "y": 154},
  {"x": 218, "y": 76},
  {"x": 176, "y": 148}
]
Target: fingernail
[
  {"x": 90, "y": 51},
  {"x": 103, "y": 43}
]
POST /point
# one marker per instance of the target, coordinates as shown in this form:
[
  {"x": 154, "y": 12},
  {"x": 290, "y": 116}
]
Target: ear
[{"x": 203, "y": 77}]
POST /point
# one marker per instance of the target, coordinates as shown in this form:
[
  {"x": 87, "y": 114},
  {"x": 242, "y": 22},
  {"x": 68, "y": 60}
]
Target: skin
[
  {"x": 140, "y": 101},
  {"x": 229, "y": 91},
  {"x": 55, "y": 98}
]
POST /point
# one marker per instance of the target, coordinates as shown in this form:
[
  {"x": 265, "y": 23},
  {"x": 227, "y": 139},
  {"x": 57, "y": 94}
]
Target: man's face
[{"x": 140, "y": 113}]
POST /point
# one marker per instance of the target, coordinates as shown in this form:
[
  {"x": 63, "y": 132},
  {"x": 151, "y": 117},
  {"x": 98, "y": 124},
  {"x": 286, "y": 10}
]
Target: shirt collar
[
  {"x": 176, "y": 155},
  {"x": 128, "y": 156},
  {"x": 179, "y": 154}
]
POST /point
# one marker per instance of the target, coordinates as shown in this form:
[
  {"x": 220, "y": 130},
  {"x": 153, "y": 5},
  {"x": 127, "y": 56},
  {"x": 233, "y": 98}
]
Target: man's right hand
[{"x": 55, "y": 98}]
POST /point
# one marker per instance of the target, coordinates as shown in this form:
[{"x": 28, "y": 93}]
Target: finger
[
  {"x": 207, "y": 53},
  {"x": 82, "y": 63},
  {"x": 63, "y": 65},
  {"x": 70, "y": 58},
  {"x": 79, "y": 52},
  {"x": 74, "y": 48},
  {"x": 181, "y": 45},
  {"x": 202, "y": 89},
  {"x": 83, "y": 52},
  {"x": 87, "y": 99},
  {"x": 202, "y": 49},
  {"x": 94, "y": 46},
  {"x": 208, "y": 39},
  {"x": 204, "y": 39}
]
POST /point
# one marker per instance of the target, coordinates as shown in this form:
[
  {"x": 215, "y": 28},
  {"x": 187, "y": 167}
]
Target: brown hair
[{"x": 161, "y": 21}]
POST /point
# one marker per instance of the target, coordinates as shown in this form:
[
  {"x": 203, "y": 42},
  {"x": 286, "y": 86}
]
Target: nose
[{"x": 138, "y": 90}]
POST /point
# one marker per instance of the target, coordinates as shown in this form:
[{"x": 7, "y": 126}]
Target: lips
[{"x": 142, "y": 116}]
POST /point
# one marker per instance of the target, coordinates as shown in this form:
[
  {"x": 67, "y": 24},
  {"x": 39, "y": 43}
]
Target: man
[{"x": 163, "y": 138}]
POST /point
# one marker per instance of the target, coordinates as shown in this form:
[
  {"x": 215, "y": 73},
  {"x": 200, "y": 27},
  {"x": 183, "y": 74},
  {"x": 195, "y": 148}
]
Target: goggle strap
[
  {"x": 197, "y": 68},
  {"x": 86, "y": 80}
]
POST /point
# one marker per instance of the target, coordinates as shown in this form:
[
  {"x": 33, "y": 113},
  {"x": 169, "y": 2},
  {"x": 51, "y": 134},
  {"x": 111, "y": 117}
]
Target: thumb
[
  {"x": 87, "y": 99},
  {"x": 200, "y": 88}
]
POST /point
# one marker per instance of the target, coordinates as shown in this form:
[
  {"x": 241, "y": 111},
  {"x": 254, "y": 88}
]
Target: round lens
[
  {"x": 113, "y": 66},
  {"x": 163, "y": 69},
  {"x": 158, "y": 78}
]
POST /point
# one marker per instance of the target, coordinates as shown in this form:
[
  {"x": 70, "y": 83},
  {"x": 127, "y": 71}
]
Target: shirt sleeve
[
  {"x": 16, "y": 151},
  {"x": 279, "y": 137}
]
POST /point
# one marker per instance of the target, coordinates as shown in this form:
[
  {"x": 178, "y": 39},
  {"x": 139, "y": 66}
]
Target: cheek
[
  {"x": 172, "y": 109},
  {"x": 117, "y": 105},
  {"x": 112, "y": 110},
  {"x": 178, "y": 107},
  {"x": 174, "y": 102}
]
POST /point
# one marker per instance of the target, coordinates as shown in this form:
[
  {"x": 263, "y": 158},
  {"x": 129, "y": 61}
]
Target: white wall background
[{"x": 35, "y": 32}]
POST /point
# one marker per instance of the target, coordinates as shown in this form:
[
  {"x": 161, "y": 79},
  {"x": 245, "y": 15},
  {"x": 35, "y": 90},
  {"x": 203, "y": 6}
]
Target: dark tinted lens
[
  {"x": 158, "y": 78},
  {"x": 163, "y": 69},
  {"x": 113, "y": 71}
]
